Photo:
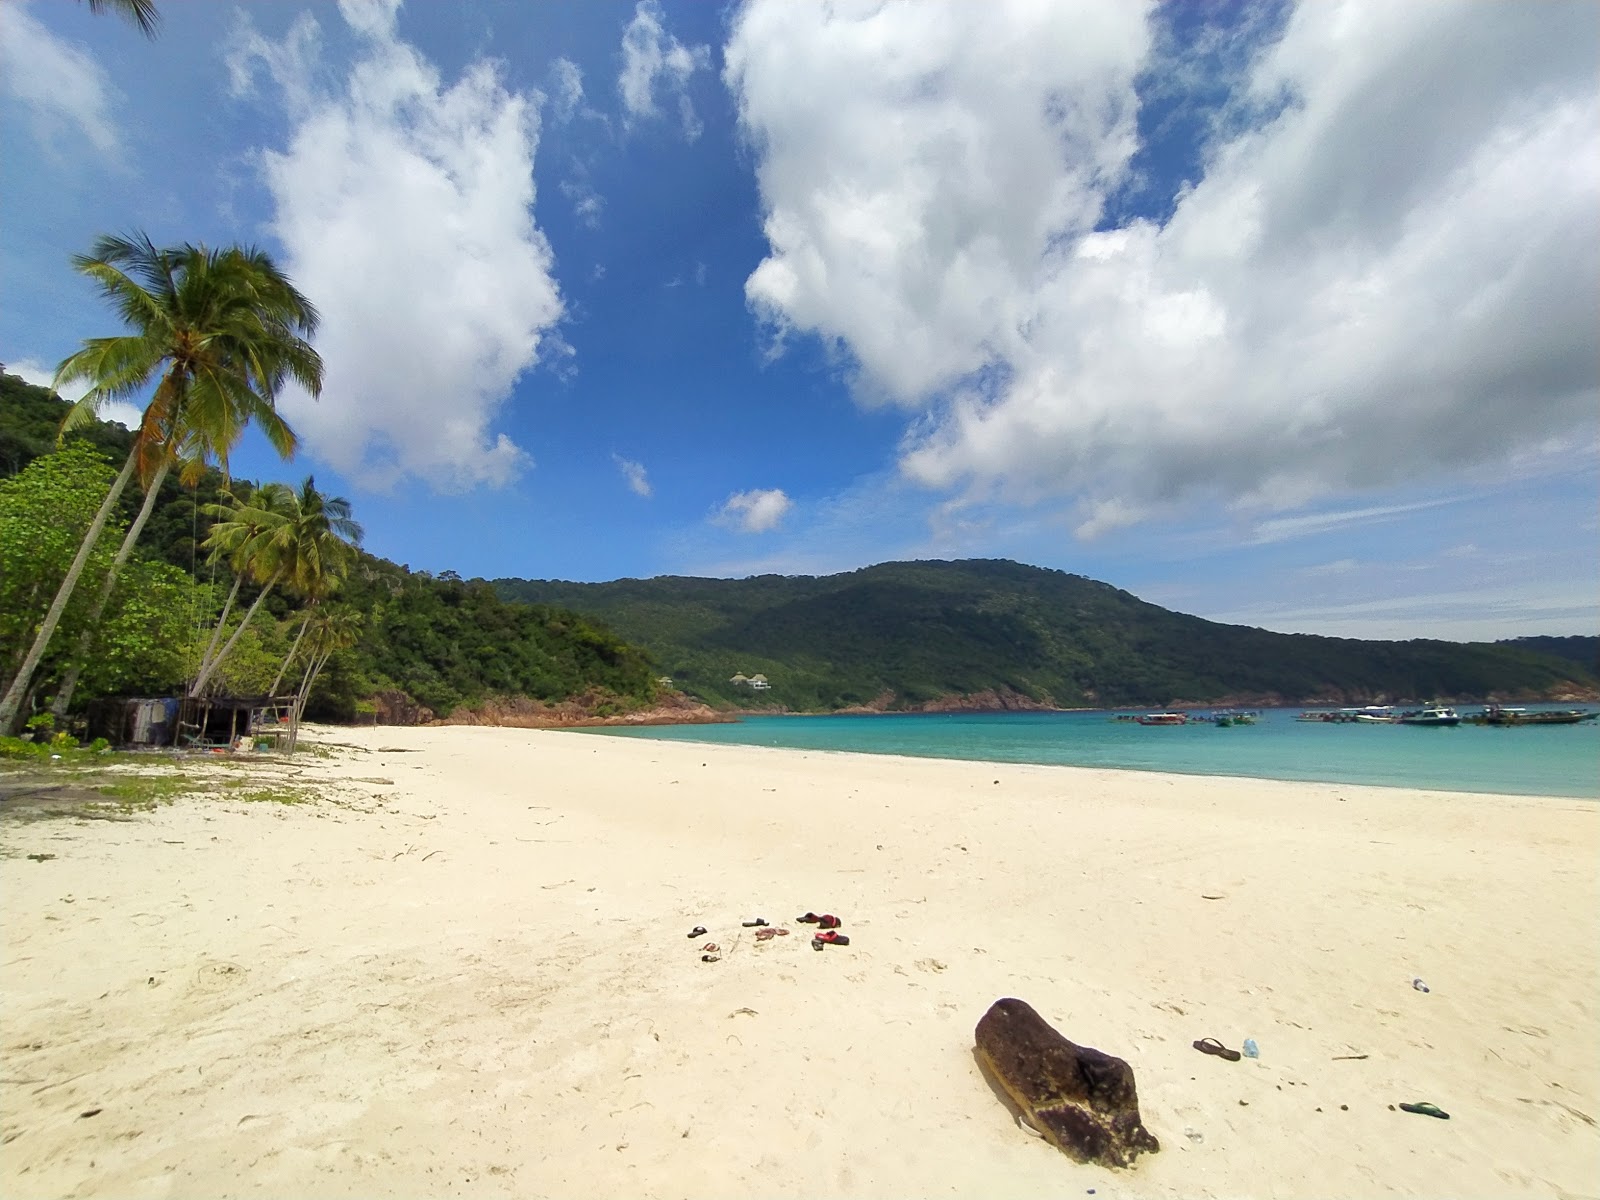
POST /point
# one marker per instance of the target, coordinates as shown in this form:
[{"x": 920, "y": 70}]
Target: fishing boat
[
  {"x": 1438, "y": 716},
  {"x": 1163, "y": 719},
  {"x": 1374, "y": 714},
  {"x": 1496, "y": 714}
]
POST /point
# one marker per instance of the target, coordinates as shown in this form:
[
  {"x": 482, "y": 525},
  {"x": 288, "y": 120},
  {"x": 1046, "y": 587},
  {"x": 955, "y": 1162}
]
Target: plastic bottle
[{"x": 1251, "y": 1050}]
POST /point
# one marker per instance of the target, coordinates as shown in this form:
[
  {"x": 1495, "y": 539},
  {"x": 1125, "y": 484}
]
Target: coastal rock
[
  {"x": 397, "y": 708},
  {"x": 1082, "y": 1100}
]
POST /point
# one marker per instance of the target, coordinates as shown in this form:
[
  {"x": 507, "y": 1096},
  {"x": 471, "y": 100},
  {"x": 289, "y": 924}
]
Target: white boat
[
  {"x": 1375, "y": 714},
  {"x": 1437, "y": 715}
]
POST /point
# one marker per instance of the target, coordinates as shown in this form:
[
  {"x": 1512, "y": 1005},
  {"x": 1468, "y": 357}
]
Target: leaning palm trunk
[
  {"x": 92, "y": 625},
  {"x": 210, "y": 669},
  {"x": 307, "y": 682},
  {"x": 293, "y": 650},
  {"x": 11, "y": 704},
  {"x": 222, "y": 621}
]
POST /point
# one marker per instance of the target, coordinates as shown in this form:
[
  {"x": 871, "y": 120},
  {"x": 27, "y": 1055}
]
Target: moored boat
[
  {"x": 1374, "y": 714},
  {"x": 1164, "y": 719},
  {"x": 1496, "y": 714},
  {"x": 1438, "y": 716}
]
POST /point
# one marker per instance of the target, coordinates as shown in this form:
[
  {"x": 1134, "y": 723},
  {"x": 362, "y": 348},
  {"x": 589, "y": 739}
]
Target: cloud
[
  {"x": 754, "y": 511},
  {"x": 634, "y": 473},
  {"x": 406, "y": 207},
  {"x": 566, "y": 79},
  {"x": 1388, "y": 268},
  {"x": 1280, "y": 529},
  {"x": 586, "y": 203},
  {"x": 653, "y": 59},
  {"x": 59, "y": 81}
]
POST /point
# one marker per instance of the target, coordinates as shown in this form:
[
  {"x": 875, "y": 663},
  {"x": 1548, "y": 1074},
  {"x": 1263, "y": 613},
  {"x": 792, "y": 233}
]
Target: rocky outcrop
[
  {"x": 1082, "y": 1100},
  {"x": 397, "y": 708}
]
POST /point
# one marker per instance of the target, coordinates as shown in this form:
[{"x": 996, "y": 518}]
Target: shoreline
[
  {"x": 687, "y": 736},
  {"x": 468, "y": 962}
]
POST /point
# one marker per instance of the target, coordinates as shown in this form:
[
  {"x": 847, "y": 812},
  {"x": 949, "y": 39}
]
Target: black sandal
[{"x": 1212, "y": 1046}]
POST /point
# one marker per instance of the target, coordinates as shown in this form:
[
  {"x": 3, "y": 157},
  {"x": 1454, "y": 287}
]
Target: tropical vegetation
[
  {"x": 222, "y": 331},
  {"x": 421, "y": 643}
]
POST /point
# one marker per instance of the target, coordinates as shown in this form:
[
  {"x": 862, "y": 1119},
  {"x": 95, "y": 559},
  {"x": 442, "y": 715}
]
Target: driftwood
[{"x": 1082, "y": 1100}]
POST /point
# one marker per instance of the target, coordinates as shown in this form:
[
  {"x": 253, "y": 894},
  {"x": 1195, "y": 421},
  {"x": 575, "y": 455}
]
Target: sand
[{"x": 464, "y": 971}]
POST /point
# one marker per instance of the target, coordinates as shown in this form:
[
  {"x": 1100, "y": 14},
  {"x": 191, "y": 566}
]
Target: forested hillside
[
  {"x": 907, "y": 634},
  {"x": 1585, "y": 651},
  {"x": 442, "y": 641}
]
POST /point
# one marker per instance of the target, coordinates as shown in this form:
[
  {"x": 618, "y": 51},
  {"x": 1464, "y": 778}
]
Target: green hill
[{"x": 914, "y": 634}]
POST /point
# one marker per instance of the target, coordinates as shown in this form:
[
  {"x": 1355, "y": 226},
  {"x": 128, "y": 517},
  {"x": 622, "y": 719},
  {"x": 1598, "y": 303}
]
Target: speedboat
[
  {"x": 1437, "y": 715},
  {"x": 1375, "y": 714}
]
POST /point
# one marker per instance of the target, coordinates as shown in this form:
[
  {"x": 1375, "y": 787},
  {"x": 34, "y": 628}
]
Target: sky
[{"x": 1279, "y": 314}]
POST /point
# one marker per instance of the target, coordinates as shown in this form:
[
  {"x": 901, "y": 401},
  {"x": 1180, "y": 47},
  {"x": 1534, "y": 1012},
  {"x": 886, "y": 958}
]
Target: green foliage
[
  {"x": 44, "y": 512},
  {"x": 922, "y": 630},
  {"x": 1585, "y": 651},
  {"x": 445, "y": 641}
]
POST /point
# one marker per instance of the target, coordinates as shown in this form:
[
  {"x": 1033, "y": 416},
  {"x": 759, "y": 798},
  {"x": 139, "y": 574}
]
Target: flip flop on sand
[
  {"x": 711, "y": 958},
  {"x": 757, "y": 923},
  {"x": 697, "y": 931},
  {"x": 1427, "y": 1109},
  {"x": 1212, "y": 1046},
  {"x": 828, "y": 921},
  {"x": 831, "y": 939},
  {"x": 770, "y": 932},
  {"x": 711, "y": 947},
  {"x": 808, "y": 919}
]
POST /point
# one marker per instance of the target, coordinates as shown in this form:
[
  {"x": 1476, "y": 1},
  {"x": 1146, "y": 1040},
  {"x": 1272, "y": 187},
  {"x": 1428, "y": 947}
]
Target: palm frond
[{"x": 141, "y": 12}]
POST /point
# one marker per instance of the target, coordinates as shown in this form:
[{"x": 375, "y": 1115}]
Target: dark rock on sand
[{"x": 1082, "y": 1100}]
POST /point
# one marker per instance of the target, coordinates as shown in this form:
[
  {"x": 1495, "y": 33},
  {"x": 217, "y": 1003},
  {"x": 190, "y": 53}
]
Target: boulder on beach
[{"x": 1082, "y": 1100}]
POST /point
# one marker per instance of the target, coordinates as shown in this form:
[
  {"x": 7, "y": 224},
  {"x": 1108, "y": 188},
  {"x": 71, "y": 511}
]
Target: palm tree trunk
[
  {"x": 210, "y": 668},
  {"x": 313, "y": 669},
  {"x": 11, "y": 704},
  {"x": 92, "y": 625},
  {"x": 293, "y": 650},
  {"x": 216, "y": 634}
]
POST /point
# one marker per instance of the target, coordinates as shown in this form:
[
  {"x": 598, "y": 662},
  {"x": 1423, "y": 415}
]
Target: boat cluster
[
  {"x": 1441, "y": 715},
  {"x": 1222, "y": 718}
]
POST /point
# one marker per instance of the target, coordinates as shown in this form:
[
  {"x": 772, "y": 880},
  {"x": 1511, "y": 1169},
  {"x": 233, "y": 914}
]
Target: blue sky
[{"x": 1275, "y": 314}]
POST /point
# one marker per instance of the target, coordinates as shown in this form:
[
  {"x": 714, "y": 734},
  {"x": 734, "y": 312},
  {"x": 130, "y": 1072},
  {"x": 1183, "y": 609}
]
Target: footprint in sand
[{"x": 218, "y": 976}]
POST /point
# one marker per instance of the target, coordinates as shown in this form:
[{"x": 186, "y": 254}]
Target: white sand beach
[{"x": 465, "y": 972}]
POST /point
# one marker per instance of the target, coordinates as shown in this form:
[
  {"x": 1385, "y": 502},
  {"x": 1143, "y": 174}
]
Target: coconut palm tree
[
  {"x": 141, "y": 12},
  {"x": 333, "y": 629},
  {"x": 301, "y": 539},
  {"x": 91, "y": 627},
  {"x": 237, "y": 538},
  {"x": 224, "y": 330}
]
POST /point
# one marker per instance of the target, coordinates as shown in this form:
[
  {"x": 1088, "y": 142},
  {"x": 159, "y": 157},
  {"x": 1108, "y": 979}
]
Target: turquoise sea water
[{"x": 1562, "y": 760}]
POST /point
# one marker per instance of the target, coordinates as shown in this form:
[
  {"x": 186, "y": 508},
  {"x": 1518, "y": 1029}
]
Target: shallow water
[{"x": 1561, "y": 760}]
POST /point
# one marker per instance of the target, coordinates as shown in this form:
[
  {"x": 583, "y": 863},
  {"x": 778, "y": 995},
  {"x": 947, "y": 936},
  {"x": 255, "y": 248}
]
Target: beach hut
[
  {"x": 134, "y": 721},
  {"x": 222, "y": 722}
]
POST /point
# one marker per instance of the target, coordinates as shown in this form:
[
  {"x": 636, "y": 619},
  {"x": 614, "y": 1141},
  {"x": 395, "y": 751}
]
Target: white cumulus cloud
[
  {"x": 59, "y": 81},
  {"x": 637, "y": 478},
  {"x": 405, "y": 204},
  {"x": 654, "y": 60},
  {"x": 755, "y": 511},
  {"x": 1391, "y": 272}
]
